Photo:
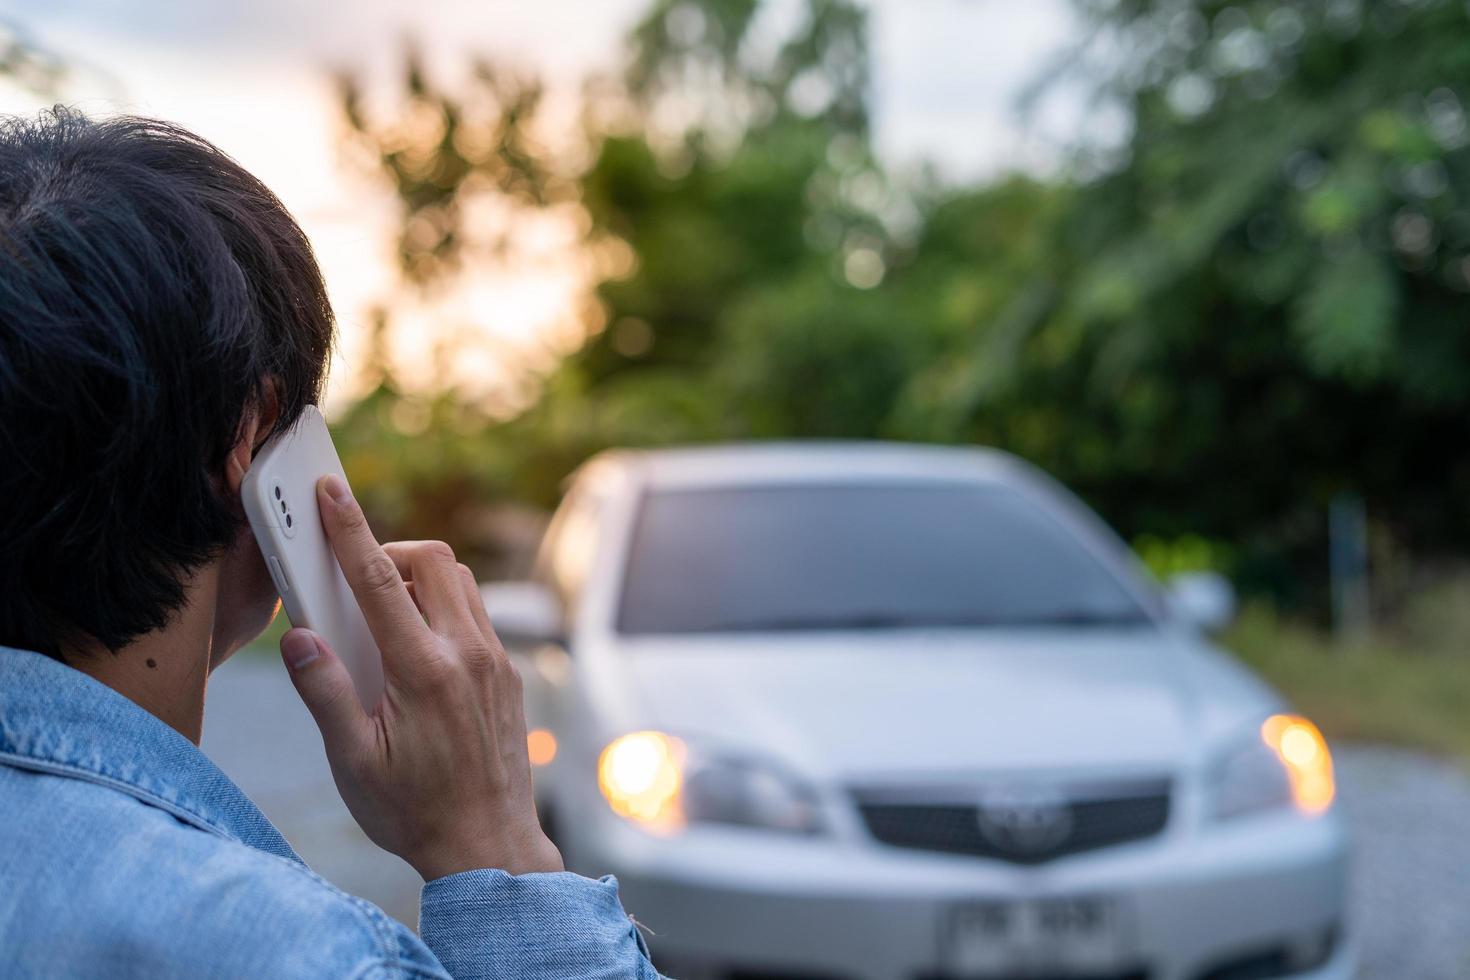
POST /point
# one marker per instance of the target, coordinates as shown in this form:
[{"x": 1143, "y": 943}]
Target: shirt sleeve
[{"x": 490, "y": 924}]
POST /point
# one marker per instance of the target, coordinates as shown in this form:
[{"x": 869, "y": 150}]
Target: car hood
[{"x": 949, "y": 704}]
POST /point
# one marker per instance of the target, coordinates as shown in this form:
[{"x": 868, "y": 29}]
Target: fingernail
[
  {"x": 336, "y": 488},
  {"x": 299, "y": 648}
]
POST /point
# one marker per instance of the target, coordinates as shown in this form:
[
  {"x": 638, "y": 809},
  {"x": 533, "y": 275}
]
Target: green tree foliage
[
  {"x": 443, "y": 151},
  {"x": 748, "y": 192},
  {"x": 1251, "y": 301},
  {"x": 430, "y": 464},
  {"x": 1264, "y": 295}
]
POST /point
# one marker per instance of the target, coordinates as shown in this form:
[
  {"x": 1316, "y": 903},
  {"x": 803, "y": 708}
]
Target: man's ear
[{"x": 259, "y": 421}]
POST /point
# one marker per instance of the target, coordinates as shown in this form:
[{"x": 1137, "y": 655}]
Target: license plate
[{"x": 1046, "y": 935}]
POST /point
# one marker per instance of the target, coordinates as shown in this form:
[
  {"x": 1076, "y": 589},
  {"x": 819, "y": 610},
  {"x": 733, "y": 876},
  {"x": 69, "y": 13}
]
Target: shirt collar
[{"x": 56, "y": 719}]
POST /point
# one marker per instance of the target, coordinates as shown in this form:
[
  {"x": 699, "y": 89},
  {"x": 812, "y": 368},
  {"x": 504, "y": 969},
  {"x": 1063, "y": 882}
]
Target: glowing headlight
[
  {"x": 1285, "y": 763},
  {"x": 657, "y": 781},
  {"x": 640, "y": 776},
  {"x": 1303, "y": 751}
]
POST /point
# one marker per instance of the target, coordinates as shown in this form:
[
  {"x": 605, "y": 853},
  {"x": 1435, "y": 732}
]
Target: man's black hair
[{"x": 152, "y": 294}]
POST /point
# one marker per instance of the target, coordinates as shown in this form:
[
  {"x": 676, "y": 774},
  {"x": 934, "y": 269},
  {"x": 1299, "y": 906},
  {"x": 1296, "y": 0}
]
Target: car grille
[{"x": 1026, "y": 826}]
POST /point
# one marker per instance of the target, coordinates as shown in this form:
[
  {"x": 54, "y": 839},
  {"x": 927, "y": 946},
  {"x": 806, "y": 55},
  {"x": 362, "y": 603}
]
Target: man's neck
[{"x": 164, "y": 672}]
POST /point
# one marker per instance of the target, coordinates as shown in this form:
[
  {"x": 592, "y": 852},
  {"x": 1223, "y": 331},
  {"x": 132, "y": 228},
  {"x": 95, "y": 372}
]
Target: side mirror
[
  {"x": 1206, "y": 599},
  {"x": 524, "y": 613}
]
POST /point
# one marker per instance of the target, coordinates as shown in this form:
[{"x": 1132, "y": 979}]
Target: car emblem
[{"x": 1025, "y": 820}]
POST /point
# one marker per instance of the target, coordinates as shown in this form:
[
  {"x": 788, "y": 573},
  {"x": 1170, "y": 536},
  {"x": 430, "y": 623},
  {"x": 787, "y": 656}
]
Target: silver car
[{"x": 875, "y": 712}]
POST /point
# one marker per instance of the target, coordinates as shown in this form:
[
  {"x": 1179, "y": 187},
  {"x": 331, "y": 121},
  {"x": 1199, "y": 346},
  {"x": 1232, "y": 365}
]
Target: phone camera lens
[
  {"x": 283, "y": 507},
  {"x": 278, "y": 493},
  {"x": 288, "y": 520}
]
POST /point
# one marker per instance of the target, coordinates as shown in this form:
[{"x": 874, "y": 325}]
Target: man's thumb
[{"x": 324, "y": 685}]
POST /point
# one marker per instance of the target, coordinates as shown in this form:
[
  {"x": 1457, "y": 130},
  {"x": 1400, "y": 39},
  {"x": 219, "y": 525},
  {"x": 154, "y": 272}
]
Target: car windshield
[{"x": 860, "y": 556}]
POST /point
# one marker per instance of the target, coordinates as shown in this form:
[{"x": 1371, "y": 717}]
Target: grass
[{"x": 1396, "y": 688}]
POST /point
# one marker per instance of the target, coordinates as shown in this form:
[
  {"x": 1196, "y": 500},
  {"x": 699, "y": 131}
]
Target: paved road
[{"x": 1410, "y": 816}]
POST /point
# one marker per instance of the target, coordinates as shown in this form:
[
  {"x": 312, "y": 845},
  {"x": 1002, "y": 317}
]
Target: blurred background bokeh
[{"x": 1205, "y": 262}]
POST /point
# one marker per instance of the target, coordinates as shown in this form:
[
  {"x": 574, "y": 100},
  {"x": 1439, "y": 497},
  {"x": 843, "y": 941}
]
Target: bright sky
[{"x": 253, "y": 78}]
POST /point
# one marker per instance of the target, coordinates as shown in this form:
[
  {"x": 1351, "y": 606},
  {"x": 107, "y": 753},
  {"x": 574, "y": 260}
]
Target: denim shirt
[{"x": 125, "y": 852}]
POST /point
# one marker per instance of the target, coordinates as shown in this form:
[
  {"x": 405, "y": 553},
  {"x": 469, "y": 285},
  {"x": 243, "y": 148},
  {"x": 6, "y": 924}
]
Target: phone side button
[{"x": 278, "y": 575}]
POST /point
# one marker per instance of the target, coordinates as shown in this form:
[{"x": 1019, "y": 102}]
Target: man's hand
[{"x": 438, "y": 773}]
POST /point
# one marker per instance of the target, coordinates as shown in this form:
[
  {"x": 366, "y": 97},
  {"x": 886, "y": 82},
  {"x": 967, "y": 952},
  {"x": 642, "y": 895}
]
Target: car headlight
[
  {"x": 1285, "y": 763},
  {"x": 661, "y": 783}
]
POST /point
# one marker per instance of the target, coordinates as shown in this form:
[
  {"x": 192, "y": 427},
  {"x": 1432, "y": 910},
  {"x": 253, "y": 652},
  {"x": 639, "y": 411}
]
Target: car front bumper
[{"x": 728, "y": 902}]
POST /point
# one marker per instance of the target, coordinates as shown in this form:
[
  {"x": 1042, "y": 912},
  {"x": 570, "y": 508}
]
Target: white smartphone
[{"x": 279, "y": 496}]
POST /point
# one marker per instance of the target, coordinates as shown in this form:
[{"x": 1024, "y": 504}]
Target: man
[{"x": 161, "y": 317}]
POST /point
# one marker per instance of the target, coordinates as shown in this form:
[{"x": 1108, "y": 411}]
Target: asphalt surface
[
  {"x": 1409, "y": 813},
  {"x": 1410, "y": 818}
]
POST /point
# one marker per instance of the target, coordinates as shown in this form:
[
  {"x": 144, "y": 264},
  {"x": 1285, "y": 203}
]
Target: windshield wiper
[
  {"x": 1083, "y": 617},
  {"x": 781, "y": 624},
  {"x": 881, "y": 621}
]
